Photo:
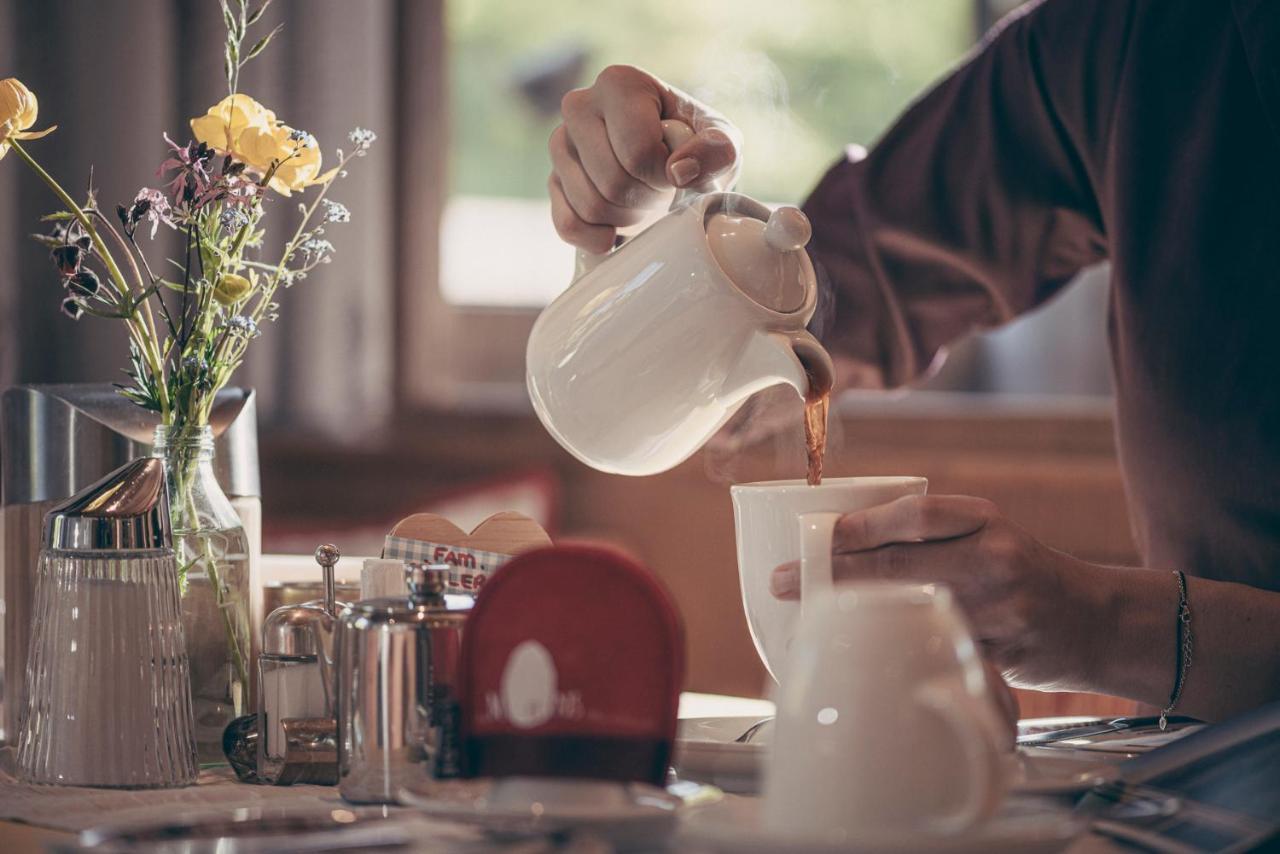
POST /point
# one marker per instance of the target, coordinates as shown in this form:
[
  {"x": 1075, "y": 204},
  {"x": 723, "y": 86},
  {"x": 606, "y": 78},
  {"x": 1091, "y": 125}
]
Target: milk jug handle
[
  {"x": 675, "y": 133},
  {"x": 965, "y": 716},
  {"x": 816, "y": 575}
]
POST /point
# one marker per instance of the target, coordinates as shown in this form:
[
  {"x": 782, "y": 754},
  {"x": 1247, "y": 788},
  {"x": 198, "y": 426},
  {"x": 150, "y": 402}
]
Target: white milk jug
[{"x": 657, "y": 343}]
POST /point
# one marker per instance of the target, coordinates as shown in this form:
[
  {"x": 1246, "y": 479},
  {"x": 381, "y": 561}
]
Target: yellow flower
[
  {"x": 232, "y": 288},
  {"x": 240, "y": 126},
  {"x": 18, "y": 109}
]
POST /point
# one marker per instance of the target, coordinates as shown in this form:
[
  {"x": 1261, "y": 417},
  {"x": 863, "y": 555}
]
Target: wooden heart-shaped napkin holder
[
  {"x": 434, "y": 539},
  {"x": 572, "y": 663}
]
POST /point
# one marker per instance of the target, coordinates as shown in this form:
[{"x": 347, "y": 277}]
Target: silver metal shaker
[{"x": 397, "y": 677}]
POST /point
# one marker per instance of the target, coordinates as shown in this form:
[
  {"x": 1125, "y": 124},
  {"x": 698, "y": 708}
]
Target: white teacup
[
  {"x": 765, "y": 516},
  {"x": 886, "y": 725}
]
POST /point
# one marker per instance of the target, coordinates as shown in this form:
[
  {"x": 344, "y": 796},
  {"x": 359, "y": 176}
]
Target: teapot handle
[{"x": 675, "y": 133}]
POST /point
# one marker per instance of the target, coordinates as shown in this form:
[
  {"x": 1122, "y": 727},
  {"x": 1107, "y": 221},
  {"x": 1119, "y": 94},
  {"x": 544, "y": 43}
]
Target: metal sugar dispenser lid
[
  {"x": 426, "y": 583},
  {"x": 126, "y": 511},
  {"x": 306, "y": 629}
]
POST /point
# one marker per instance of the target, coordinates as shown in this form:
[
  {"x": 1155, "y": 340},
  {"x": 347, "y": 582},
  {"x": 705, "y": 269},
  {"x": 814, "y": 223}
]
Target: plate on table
[
  {"x": 706, "y": 749},
  {"x": 625, "y": 814},
  {"x": 1023, "y": 826},
  {"x": 262, "y": 830}
]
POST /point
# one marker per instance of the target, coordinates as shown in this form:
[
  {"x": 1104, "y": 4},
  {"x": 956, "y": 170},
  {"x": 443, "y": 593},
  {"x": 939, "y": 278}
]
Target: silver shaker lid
[
  {"x": 426, "y": 584},
  {"x": 304, "y": 630},
  {"x": 128, "y": 510},
  {"x": 296, "y": 630}
]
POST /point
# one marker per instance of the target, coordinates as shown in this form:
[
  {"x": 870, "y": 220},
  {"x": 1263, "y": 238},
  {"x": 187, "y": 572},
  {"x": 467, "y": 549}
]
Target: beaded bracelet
[{"x": 1184, "y": 647}]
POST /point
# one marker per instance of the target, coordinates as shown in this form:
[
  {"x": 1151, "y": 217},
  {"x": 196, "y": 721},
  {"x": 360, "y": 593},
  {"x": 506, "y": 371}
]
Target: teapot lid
[{"x": 764, "y": 259}]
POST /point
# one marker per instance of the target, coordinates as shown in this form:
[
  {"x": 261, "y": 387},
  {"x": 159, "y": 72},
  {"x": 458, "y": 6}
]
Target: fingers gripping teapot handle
[{"x": 675, "y": 133}]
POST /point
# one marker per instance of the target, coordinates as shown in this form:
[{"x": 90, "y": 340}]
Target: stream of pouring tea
[{"x": 816, "y": 404}]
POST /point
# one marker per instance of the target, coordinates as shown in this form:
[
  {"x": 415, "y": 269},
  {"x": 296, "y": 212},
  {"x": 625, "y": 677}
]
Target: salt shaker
[
  {"x": 397, "y": 666},
  {"x": 297, "y": 695}
]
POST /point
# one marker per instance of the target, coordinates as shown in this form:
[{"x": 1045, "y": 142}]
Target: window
[{"x": 800, "y": 79}]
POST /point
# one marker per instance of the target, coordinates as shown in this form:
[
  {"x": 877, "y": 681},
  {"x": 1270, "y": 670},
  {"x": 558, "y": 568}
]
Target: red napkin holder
[{"x": 572, "y": 663}]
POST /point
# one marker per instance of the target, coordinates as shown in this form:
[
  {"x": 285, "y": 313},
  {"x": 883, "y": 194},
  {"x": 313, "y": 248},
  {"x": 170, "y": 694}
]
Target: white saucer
[
  {"x": 623, "y": 813},
  {"x": 705, "y": 750},
  {"x": 1024, "y": 826}
]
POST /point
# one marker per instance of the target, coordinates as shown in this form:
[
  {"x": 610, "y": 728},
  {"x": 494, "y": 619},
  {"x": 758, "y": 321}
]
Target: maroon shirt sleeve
[{"x": 980, "y": 202}]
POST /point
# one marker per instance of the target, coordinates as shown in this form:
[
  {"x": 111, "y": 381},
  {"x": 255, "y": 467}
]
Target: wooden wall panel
[{"x": 1055, "y": 474}]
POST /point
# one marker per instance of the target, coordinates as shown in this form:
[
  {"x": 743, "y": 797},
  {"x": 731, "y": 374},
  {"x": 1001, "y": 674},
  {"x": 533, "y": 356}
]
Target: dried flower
[
  {"x": 241, "y": 127},
  {"x": 336, "y": 211},
  {"x": 72, "y": 233},
  {"x": 231, "y": 288},
  {"x": 84, "y": 283},
  {"x": 233, "y": 219},
  {"x": 362, "y": 138},
  {"x": 243, "y": 325},
  {"x": 150, "y": 205},
  {"x": 67, "y": 258},
  {"x": 316, "y": 246},
  {"x": 72, "y": 308},
  {"x": 191, "y": 162},
  {"x": 18, "y": 109}
]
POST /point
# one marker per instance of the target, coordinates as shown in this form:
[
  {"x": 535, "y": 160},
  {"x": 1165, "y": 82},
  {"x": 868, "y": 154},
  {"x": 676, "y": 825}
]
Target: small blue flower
[
  {"x": 336, "y": 211},
  {"x": 362, "y": 138},
  {"x": 242, "y": 325},
  {"x": 233, "y": 219},
  {"x": 316, "y": 247}
]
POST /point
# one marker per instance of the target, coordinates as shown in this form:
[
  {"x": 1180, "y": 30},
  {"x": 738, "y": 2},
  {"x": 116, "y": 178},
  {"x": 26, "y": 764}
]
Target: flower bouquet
[{"x": 190, "y": 319}]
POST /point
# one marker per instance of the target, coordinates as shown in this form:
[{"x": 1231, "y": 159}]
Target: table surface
[{"x": 18, "y": 838}]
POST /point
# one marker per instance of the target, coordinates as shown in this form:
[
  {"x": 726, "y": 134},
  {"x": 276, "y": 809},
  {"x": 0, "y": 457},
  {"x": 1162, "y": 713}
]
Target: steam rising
[
  {"x": 765, "y": 440},
  {"x": 770, "y": 425}
]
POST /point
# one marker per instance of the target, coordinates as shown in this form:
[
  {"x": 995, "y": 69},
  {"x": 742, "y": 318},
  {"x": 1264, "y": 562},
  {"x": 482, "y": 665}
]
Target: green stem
[
  {"x": 184, "y": 474},
  {"x": 147, "y": 344},
  {"x": 269, "y": 289}
]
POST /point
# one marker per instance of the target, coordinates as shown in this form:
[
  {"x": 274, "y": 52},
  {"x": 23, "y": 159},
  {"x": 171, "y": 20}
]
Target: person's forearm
[{"x": 1235, "y": 663}]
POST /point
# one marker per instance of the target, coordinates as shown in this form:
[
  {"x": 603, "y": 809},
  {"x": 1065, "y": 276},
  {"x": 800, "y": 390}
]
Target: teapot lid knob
[{"x": 788, "y": 229}]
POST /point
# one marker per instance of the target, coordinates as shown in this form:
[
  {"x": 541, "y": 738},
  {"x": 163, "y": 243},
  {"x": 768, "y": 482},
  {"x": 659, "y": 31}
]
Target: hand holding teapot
[
  {"x": 610, "y": 168},
  {"x": 658, "y": 341}
]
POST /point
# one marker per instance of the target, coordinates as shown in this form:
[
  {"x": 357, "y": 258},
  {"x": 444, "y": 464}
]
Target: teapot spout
[{"x": 770, "y": 358}]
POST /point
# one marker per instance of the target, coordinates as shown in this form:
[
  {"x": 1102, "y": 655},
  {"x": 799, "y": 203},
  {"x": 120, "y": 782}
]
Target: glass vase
[{"x": 213, "y": 572}]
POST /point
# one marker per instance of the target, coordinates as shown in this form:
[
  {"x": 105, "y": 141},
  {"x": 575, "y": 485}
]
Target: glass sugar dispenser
[
  {"x": 108, "y": 679},
  {"x": 297, "y": 696}
]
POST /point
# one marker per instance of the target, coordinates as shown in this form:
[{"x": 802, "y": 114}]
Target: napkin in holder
[
  {"x": 572, "y": 663},
  {"x": 433, "y": 539}
]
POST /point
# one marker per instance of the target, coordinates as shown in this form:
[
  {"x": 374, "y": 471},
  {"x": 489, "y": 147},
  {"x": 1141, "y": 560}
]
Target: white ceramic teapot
[{"x": 658, "y": 342}]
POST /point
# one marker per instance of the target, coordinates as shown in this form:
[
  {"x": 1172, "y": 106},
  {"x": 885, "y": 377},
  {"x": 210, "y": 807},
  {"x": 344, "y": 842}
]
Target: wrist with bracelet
[{"x": 1184, "y": 647}]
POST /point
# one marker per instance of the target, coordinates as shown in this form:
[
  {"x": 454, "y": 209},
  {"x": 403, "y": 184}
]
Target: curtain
[{"x": 115, "y": 74}]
